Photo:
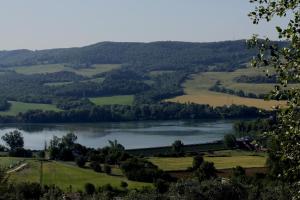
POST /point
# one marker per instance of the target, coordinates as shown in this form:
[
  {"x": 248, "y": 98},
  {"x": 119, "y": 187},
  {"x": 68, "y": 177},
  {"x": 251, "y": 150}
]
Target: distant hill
[
  {"x": 146, "y": 73},
  {"x": 154, "y": 55}
]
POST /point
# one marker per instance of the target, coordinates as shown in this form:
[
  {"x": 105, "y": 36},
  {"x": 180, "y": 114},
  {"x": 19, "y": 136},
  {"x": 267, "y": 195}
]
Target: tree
[
  {"x": 230, "y": 141},
  {"x": 285, "y": 58},
  {"x": 115, "y": 146},
  {"x": 69, "y": 140},
  {"x": 177, "y": 147},
  {"x": 14, "y": 140}
]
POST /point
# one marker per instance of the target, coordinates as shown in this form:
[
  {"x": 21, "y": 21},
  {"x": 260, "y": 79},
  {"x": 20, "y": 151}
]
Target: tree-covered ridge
[
  {"x": 155, "y": 55},
  {"x": 151, "y": 72}
]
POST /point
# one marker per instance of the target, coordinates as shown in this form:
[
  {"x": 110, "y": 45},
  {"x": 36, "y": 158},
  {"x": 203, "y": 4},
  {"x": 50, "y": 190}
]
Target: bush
[
  {"x": 106, "y": 188},
  {"x": 28, "y": 191},
  {"x": 80, "y": 161},
  {"x": 162, "y": 186},
  {"x": 89, "y": 188},
  {"x": 197, "y": 161},
  {"x": 142, "y": 170},
  {"x": 95, "y": 166},
  {"x": 124, "y": 184},
  {"x": 107, "y": 169},
  {"x": 206, "y": 171}
]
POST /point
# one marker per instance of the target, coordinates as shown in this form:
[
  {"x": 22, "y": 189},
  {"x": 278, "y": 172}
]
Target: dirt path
[{"x": 20, "y": 167}]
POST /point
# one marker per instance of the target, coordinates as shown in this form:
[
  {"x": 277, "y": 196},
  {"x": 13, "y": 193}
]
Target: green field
[
  {"x": 51, "y": 68},
  {"x": 17, "y": 107},
  {"x": 160, "y": 72},
  {"x": 58, "y": 83},
  {"x": 196, "y": 89},
  {"x": 113, "y": 100},
  {"x": 5, "y": 162},
  {"x": 63, "y": 175},
  {"x": 222, "y": 160}
]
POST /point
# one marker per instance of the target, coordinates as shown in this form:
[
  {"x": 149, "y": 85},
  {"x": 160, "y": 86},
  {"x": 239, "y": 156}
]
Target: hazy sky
[{"x": 40, "y": 24}]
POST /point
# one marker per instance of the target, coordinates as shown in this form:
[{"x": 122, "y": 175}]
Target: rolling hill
[{"x": 83, "y": 77}]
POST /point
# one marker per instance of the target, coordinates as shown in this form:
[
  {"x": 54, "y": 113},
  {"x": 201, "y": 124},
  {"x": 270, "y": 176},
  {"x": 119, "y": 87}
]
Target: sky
[{"x": 44, "y": 24}]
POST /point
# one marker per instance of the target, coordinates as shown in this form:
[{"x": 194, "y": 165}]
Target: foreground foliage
[{"x": 286, "y": 61}]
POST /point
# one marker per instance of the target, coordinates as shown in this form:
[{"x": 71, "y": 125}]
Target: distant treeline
[
  {"x": 256, "y": 79},
  {"x": 151, "y": 56},
  {"x": 159, "y": 111},
  {"x": 259, "y": 79},
  {"x": 4, "y": 104},
  {"x": 254, "y": 127},
  {"x": 219, "y": 88}
]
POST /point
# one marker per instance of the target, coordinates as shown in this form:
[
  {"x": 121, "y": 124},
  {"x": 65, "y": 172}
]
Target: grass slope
[
  {"x": 51, "y": 68},
  {"x": 197, "y": 89},
  {"x": 17, "y": 107},
  {"x": 5, "y": 162},
  {"x": 63, "y": 175},
  {"x": 113, "y": 100}
]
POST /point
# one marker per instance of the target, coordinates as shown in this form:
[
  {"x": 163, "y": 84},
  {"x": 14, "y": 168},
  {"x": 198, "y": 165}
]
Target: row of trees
[
  {"x": 160, "y": 111},
  {"x": 217, "y": 87},
  {"x": 4, "y": 104}
]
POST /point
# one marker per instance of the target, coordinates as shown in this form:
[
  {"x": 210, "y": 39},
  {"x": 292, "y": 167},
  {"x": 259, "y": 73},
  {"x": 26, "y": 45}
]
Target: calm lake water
[{"x": 130, "y": 134}]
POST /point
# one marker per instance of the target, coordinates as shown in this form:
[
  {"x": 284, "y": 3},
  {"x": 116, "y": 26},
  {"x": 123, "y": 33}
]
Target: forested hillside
[
  {"x": 76, "y": 78},
  {"x": 150, "y": 56}
]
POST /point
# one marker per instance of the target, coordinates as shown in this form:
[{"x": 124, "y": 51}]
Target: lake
[{"x": 130, "y": 134}]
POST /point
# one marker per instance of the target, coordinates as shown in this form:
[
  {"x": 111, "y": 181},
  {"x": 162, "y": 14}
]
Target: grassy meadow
[
  {"x": 113, "y": 100},
  {"x": 222, "y": 160},
  {"x": 51, "y": 68},
  {"x": 63, "y": 175},
  {"x": 5, "y": 162},
  {"x": 17, "y": 107},
  {"x": 196, "y": 89}
]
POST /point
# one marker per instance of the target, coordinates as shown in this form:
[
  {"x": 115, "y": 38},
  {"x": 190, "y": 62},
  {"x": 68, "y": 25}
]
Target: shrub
[
  {"x": 141, "y": 170},
  {"x": 89, "y": 188},
  {"x": 30, "y": 191},
  {"x": 206, "y": 171},
  {"x": 80, "y": 161},
  {"x": 95, "y": 166},
  {"x": 162, "y": 186},
  {"x": 197, "y": 161},
  {"x": 107, "y": 169},
  {"x": 124, "y": 184}
]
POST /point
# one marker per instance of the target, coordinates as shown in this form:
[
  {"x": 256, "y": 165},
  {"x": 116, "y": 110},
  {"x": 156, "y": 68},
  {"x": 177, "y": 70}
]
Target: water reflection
[{"x": 130, "y": 134}]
